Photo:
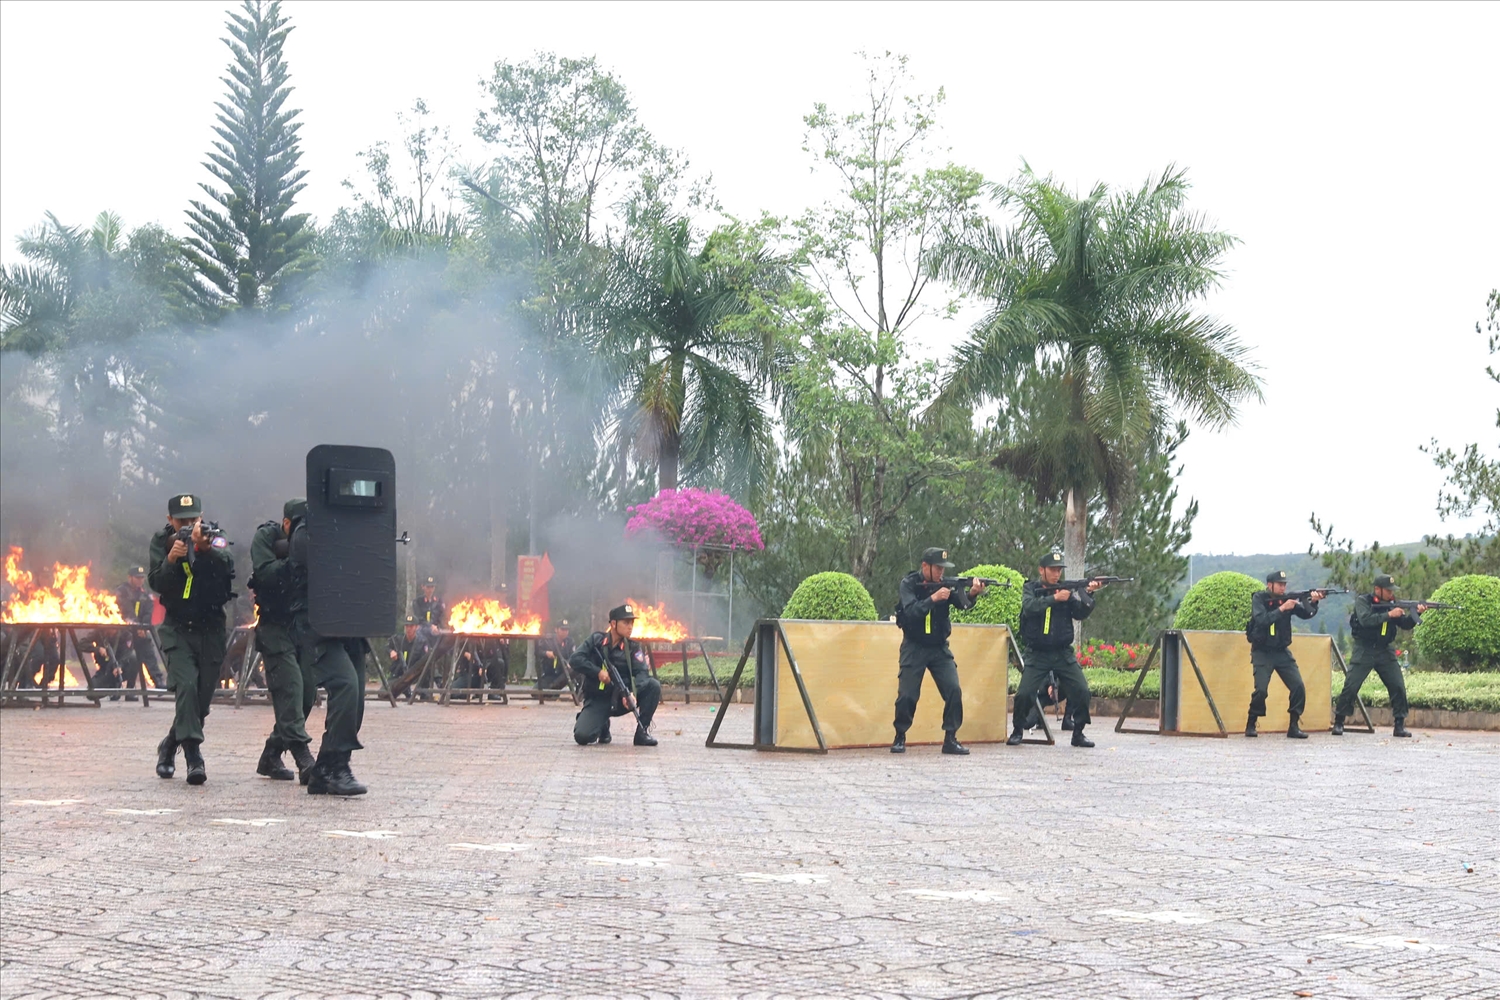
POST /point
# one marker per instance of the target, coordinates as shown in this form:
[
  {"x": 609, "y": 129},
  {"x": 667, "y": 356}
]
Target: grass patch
[{"x": 1431, "y": 689}]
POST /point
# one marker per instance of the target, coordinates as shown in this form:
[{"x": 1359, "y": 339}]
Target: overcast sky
[{"x": 1351, "y": 148}]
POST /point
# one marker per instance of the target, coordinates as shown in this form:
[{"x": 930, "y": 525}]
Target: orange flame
[
  {"x": 70, "y": 680},
  {"x": 68, "y": 601},
  {"x": 653, "y": 624},
  {"x": 486, "y": 616}
]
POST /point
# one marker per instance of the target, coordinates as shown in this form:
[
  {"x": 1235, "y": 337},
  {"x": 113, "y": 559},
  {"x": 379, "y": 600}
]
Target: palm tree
[
  {"x": 1092, "y": 341},
  {"x": 37, "y": 299},
  {"x": 692, "y": 353}
]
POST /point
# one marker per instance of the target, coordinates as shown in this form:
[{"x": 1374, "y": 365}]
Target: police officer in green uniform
[
  {"x": 137, "y": 653},
  {"x": 194, "y": 579},
  {"x": 337, "y": 665},
  {"x": 270, "y": 553},
  {"x": 1047, "y": 617},
  {"x": 601, "y": 698},
  {"x": 1374, "y": 632},
  {"x": 922, "y": 613},
  {"x": 1270, "y": 634},
  {"x": 430, "y": 607}
]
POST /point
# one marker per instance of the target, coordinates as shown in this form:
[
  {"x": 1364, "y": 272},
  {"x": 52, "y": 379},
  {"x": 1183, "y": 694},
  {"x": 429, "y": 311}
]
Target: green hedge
[
  {"x": 1467, "y": 639},
  {"x": 997, "y": 605},
  {"x": 1220, "y": 601},
  {"x": 831, "y": 597},
  {"x": 1434, "y": 689}
]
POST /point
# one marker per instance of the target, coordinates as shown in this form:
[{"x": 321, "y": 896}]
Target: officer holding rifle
[
  {"x": 1375, "y": 622},
  {"x": 1049, "y": 607},
  {"x": 922, "y": 612},
  {"x": 1270, "y": 635},
  {"x": 616, "y": 680}
]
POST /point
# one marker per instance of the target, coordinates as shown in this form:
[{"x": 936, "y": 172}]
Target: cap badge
[{"x": 185, "y": 501}]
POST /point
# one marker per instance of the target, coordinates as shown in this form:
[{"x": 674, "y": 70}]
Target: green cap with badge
[
  {"x": 185, "y": 505},
  {"x": 1052, "y": 559},
  {"x": 1385, "y": 582},
  {"x": 294, "y": 509},
  {"x": 1276, "y": 576}
]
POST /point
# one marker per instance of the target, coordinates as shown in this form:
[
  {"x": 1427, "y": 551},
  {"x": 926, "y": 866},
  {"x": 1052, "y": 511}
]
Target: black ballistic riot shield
[{"x": 351, "y": 536}]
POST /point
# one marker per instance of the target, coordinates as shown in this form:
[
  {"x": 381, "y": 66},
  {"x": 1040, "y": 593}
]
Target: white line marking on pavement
[
  {"x": 1385, "y": 941},
  {"x": 797, "y": 878},
  {"x": 601, "y": 859},
  {"x": 139, "y": 812},
  {"x": 506, "y": 848},
  {"x": 229, "y": 821},
  {"x": 1156, "y": 917},
  {"x": 962, "y": 895},
  {"x": 45, "y": 802},
  {"x": 367, "y": 834}
]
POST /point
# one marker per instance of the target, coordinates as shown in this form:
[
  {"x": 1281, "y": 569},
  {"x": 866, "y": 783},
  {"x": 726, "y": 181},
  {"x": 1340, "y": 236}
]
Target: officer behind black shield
[
  {"x": 922, "y": 614},
  {"x": 1374, "y": 632},
  {"x": 1270, "y": 635},
  {"x": 337, "y": 665},
  {"x": 1047, "y": 617},
  {"x": 601, "y": 698},
  {"x": 195, "y": 581},
  {"x": 270, "y": 553}
]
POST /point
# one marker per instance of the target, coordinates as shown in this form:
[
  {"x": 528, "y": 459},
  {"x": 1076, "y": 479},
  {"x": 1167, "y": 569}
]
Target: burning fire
[
  {"x": 486, "y": 616},
  {"x": 68, "y": 601},
  {"x": 652, "y": 624}
]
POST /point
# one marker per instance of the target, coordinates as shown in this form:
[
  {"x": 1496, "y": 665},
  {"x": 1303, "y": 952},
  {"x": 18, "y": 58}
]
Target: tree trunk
[
  {"x": 498, "y": 446},
  {"x": 1075, "y": 541},
  {"x": 666, "y": 466}
]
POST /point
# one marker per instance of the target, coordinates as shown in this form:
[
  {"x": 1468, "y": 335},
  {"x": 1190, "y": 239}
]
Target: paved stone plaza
[{"x": 494, "y": 858}]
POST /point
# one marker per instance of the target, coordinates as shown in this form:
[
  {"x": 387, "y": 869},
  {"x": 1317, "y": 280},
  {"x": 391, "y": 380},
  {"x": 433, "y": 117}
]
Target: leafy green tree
[
  {"x": 249, "y": 250},
  {"x": 1467, "y": 639},
  {"x": 853, "y": 425},
  {"x": 1093, "y": 316},
  {"x": 410, "y": 194},
  {"x": 694, "y": 355}
]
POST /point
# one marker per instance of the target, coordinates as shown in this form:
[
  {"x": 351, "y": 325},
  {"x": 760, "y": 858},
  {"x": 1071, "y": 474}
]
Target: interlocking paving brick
[{"x": 495, "y": 858}]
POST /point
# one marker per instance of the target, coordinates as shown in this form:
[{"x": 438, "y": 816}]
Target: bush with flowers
[
  {"x": 1115, "y": 655},
  {"x": 692, "y": 517}
]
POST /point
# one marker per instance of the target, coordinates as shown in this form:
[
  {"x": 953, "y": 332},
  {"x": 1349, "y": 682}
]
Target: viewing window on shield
[{"x": 359, "y": 488}]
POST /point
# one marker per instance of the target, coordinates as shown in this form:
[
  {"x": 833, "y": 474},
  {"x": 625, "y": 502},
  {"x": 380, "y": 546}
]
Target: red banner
[{"x": 532, "y": 576}]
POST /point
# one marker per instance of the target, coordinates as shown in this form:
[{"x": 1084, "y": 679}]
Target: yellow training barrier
[{"x": 822, "y": 685}]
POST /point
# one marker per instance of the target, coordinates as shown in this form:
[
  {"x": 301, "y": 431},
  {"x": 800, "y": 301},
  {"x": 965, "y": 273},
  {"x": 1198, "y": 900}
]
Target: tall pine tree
[{"x": 248, "y": 250}]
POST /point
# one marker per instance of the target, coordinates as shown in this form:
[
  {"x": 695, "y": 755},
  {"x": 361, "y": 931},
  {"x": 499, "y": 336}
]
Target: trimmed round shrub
[
  {"x": 1219, "y": 601},
  {"x": 998, "y": 605},
  {"x": 1467, "y": 639},
  {"x": 830, "y": 596}
]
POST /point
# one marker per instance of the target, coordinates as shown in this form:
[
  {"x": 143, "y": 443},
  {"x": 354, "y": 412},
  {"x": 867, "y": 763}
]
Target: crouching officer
[
  {"x": 601, "y": 698},
  {"x": 270, "y": 553},
  {"x": 922, "y": 614},
  {"x": 194, "y": 579},
  {"x": 1047, "y": 617},
  {"x": 1270, "y": 634},
  {"x": 552, "y": 659},
  {"x": 337, "y": 665},
  {"x": 1374, "y": 632}
]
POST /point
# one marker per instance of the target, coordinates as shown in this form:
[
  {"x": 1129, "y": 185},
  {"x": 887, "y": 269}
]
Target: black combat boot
[
  {"x": 166, "y": 757},
  {"x": 1080, "y": 740},
  {"x": 304, "y": 760},
  {"x": 193, "y": 758},
  {"x": 270, "y": 765},
  {"x": 643, "y": 738},
  {"x": 1293, "y": 731},
  {"x": 898, "y": 745},
  {"x": 952, "y": 746},
  {"x": 604, "y": 736},
  {"x": 1250, "y": 727},
  {"x": 1015, "y": 737},
  {"x": 1338, "y": 726},
  {"x": 1400, "y": 729},
  {"x": 331, "y": 776}
]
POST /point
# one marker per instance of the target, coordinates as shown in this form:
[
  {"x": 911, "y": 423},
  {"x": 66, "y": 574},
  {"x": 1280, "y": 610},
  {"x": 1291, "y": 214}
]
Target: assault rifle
[
  {"x": 960, "y": 583},
  {"x": 626, "y": 692},
  {"x": 1103, "y": 581},
  {"x": 1302, "y": 595},
  {"x": 1411, "y": 606}
]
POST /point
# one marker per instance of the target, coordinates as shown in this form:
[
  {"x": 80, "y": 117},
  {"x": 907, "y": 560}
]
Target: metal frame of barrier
[
  {"x": 1170, "y": 643},
  {"x": 12, "y": 693},
  {"x": 764, "y": 637}
]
